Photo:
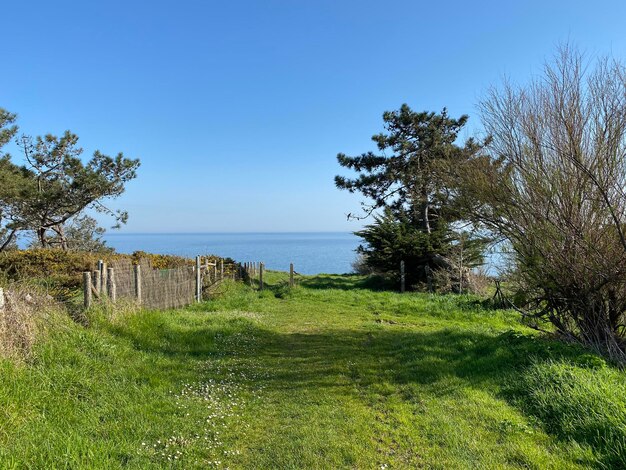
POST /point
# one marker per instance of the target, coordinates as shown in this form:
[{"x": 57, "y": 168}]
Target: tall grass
[
  {"x": 585, "y": 403},
  {"x": 26, "y": 316}
]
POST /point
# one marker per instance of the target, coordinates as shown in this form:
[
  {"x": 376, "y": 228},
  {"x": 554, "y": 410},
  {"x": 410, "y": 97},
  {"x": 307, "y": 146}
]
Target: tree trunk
[
  {"x": 424, "y": 211},
  {"x": 59, "y": 229},
  {"x": 8, "y": 241},
  {"x": 41, "y": 234}
]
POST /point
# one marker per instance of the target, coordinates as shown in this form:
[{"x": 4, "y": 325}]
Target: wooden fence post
[
  {"x": 138, "y": 292},
  {"x": 198, "y": 281},
  {"x": 402, "y": 286},
  {"x": 111, "y": 286},
  {"x": 87, "y": 289},
  {"x": 290, "y": 274},
  {"x": 261, "y": 269},
  {"x": 1, "y": 299},
  {"x": 97, "y": 281},
  {"x": 104, "y": 278},
  {"x": 221, "y": 269}
]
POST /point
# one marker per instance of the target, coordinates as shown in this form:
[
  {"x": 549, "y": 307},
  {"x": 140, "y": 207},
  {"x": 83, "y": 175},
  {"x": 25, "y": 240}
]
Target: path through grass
[{"x": 330, "y": 374}]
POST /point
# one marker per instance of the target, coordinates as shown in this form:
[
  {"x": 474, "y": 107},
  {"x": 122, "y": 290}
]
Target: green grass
[{"x": 330, "y": 374}]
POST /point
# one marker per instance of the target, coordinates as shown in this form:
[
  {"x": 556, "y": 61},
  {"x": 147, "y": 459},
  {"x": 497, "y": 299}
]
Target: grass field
[{"x": 330, "y": 374}]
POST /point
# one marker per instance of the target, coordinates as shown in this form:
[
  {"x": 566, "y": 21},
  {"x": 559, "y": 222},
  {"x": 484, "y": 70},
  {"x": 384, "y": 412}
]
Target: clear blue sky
[{"x": 237, "y": 109}]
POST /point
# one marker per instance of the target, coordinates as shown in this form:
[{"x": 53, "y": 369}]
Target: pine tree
[{"x": 413, "y": 182}]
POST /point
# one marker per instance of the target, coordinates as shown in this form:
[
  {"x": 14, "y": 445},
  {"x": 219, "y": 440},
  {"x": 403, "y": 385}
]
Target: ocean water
[{"x": 311, "y": 253}]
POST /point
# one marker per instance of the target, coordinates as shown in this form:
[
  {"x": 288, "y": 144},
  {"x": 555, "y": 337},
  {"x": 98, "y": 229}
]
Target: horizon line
[{"x": 224, "y": 232}]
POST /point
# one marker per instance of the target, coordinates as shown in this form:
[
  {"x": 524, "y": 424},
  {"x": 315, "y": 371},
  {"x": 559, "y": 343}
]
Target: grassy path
[{"x": 327, "y": 375}]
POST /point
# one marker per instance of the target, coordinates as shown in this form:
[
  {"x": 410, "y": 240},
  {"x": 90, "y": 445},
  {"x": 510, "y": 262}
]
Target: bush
[
  {"x": 61, "y": 271},
  {"x": 552, "y": 185},
  {"x": 360, "y": 266},
  {"x": 24, "y": 315}
]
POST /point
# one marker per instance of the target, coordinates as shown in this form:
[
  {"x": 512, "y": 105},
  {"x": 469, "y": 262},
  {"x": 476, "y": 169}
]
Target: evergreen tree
[
  {"x": 55, "y": 185},
  {"x": 13, "y": 183},
  {"x": 413, "y": 181}
]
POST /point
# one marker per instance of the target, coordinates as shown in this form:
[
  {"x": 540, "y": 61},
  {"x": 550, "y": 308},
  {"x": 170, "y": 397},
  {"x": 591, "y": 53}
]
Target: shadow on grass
[
  {"x": 348, "y": 282},
  {"x": 377, "y": 362}
]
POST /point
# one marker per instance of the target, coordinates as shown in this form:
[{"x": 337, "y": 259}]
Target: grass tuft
[{"x": 584, "y": 401}]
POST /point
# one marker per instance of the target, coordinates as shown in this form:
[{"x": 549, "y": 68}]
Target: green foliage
[
  {"x": 54, "y": 185},
  {"x": 391, "y": 239},
  {"x": 414, "y": 182},
  {"x": 11, "y": 182},
  {"x": 62, "y": 269},
  {"x": 158, "y": 261},
  {"x": 65, "y": 186},
  {"x": 40, "y": 263},
  {"x": 395, "y": 238},
  {"x": 415, "y": 176}
]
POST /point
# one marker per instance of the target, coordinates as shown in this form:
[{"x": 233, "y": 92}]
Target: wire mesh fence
[
  {"x": 162, "y": 288},
  {"x": 149, "y": 287}
]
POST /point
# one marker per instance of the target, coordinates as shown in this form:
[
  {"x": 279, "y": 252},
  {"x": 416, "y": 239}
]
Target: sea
[{"x": 310, "y": 252}]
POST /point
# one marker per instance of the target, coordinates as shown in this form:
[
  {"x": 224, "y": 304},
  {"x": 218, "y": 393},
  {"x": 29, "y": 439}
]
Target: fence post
[
  {"x": 87, "y": 289},
  {"x": 104, "y": 281},
  {"x": 429, "y": 278},
  {"x": 261, "y": 269},
  {"x": 97, "y": 281},
  {"x": 290, "y": 274},
  {"x": 221, "y": 269},
  {"x": 402, "y": 286},
  {"x": 111, "y": 287},
  {"x": 198, "y": 281},
  {"x": 138, "y": 292},
  {"x": 1, "y": 299}
]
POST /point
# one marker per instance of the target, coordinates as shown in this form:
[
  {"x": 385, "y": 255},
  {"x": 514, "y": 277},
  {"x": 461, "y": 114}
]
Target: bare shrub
[
  {"x": 459, "y": 281},
  {"x": 478, "y": 282},
  {"x": 360, "y": 266},
  {"x": 23, "y": 317},
  {"x": 553, "y": 185}
]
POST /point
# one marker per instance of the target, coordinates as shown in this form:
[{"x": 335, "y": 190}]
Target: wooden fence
[
  {"x": 254, "y": 274},
  {"x": 167, "y": 288}
]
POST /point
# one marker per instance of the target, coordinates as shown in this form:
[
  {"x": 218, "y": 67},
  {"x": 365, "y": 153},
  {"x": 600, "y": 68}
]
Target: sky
[{"x": 238, "y": 109}]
